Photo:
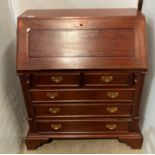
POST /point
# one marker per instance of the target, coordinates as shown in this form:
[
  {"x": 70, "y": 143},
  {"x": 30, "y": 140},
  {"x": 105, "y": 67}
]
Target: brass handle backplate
[
  {"x": 107, "y": 79},
  {"x": 57, "y": 79},
  {"x": 112, "y": 94},
  {"x": 112, "y": 109},
  {"x": 56, "y": 126},
  {"x": 52, "y": 95},
  {"x": 54, "y": 110},
  {"x": 111, "y": 126}
]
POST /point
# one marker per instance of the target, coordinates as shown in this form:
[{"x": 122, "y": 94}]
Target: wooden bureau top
[
  {"x": 81, "y": 39},
  {"x": 79, "y": 13}
]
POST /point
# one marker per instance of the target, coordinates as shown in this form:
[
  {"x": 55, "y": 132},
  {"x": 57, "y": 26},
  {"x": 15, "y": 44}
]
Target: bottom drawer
[{"x": 82, "y": 126}]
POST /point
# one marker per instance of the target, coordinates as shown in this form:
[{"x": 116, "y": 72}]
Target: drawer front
[
  {"x": 124, "y": 95},
  {"x": 55, "y": 80},
  {"x": 78, "y": 110},
  {"x": 79, "y": 126},
  {"x": 108, "y": 79}
]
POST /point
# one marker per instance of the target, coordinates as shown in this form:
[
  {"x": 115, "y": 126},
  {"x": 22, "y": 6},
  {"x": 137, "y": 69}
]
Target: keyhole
[{"x": 81, "y": 24}]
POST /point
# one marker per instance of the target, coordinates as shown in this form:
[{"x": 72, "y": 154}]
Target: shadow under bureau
[{"x": 82, "y": 73}]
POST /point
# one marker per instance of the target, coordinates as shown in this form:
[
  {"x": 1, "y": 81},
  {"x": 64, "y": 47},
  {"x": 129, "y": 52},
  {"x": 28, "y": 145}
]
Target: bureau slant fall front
[{"x": 82, "y": 73}]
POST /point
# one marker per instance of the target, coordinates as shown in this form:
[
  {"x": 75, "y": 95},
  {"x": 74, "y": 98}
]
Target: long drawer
[
  {"x": 124, "y": 95},
  {"x": 82, "y": 126},
  {"x": 81, "y": 110}
]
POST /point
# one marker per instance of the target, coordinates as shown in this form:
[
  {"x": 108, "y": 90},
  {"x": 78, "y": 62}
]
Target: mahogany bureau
[{"x": 82, "y": 73}]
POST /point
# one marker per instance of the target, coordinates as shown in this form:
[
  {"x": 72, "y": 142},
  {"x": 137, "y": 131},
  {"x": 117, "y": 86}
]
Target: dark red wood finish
[
  {"x": 47, "y": 80},
  {"x": 82, "y": 110},
  {"x": 124, "y": 95},
  {"x": 119, "y": 79},
  {"x": 82, "y": 73},
  {"x": 81, "y": 126},
  {"x": 117, "y": 52},
  {"x": 45, "y": 43}
]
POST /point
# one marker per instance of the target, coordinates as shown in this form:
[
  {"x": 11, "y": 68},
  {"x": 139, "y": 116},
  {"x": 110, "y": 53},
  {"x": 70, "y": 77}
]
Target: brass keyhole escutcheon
[
  {"x": 54, "y": 110},
  {"x": 52, "y": 95},
  {"x": 57, "y": 79},
  {"x": 112, "y": 94},
  {"x": 107, "y": 79},
  {"x": 112, "y": 109},
  {"x": 56, "y": 126},
  {"x": 111, "y": 126}
]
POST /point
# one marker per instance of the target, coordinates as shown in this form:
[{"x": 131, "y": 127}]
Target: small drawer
[
  {"x": 55, "y": 80},
  {"x": 82, "y": 110},
  {"x": 78, "y": 95},
  {"x": 82, "y": 126},
  {"x": 108, "y": 79}
]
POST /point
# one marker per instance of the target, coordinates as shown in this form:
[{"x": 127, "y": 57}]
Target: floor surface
[{"x": 100, "y": 146}]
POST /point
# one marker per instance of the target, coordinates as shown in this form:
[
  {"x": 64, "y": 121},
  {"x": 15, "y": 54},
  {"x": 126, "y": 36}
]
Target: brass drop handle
[
  {"x": 52, "y": 95},
  {"x": 107, "y": 79},
  {"x": 56, "y": 126},
  {"x": 54, "y": 110},
  {"x": 112, "y": 94},
  {"x": 111, "y": 126},
  {"x": 112, "y": 109},
  {"x": 57, "y": 79}
]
